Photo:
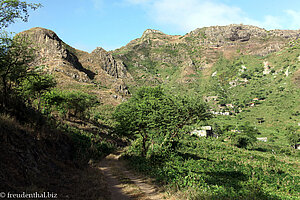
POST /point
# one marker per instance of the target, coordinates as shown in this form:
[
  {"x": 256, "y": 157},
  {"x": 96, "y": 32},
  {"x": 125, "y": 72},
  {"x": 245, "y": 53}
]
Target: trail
[{"x": 124, "y": 184}]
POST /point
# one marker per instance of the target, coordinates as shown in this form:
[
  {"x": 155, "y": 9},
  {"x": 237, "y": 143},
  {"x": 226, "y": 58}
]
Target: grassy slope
[
  {"x": 209, "y": 169},
  {"x": 281, "y": 104},
  {"x": 167, "y": 63}
]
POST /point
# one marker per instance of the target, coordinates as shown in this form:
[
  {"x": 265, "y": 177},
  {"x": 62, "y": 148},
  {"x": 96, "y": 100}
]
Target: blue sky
[{"x": 87, "y": 24}]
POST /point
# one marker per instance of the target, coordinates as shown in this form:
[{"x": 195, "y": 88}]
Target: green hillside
[{"x": 212, "y": 114}]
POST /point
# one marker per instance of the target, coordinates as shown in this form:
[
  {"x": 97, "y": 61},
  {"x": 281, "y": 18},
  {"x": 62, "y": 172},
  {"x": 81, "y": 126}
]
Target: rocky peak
[
  {"x": 108, "y": 63},
  {"x": 38, "y": 32},
  {"x": 151, "y": 33},
  {"x": 51, "y": 51},
  {"x": 242, "y": 33}
]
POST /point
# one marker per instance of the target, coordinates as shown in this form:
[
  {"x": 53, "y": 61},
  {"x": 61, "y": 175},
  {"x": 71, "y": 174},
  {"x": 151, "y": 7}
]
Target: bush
[
  {"x": 242, "y": 140},
  {"x": 69, "y": 102},
  {"x": 154, "y": 115}
]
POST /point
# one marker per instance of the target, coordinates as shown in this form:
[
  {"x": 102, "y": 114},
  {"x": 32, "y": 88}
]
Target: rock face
[
  {"x": 74, "y": 65},
  {"x": 52, "y": 52},
  {"x": 155, "y": 57},
  {"x": 113, "y": 67},
  {"x": 235, "y": 32},
  {"x": 260, "y": 41},
  {"x": 151, "y": 32}
]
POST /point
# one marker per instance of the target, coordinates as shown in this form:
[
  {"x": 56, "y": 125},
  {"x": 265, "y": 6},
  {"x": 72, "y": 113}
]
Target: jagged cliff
[
  {"x": 73, "y": 67},
  {"x": 154, "y": 58},
  {"x": 158, "y": 58}
]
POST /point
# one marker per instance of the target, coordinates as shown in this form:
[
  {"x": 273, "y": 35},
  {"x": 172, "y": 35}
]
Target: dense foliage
[
  {"x": 158, "y": 118},
  {"x": 27, "y": 93},
  {"x": 69, "y": 102}
]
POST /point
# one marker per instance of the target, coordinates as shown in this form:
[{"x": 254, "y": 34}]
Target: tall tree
[
  {"x": 15, "y": 54},
  {"x": 10, "y": 10},
  {"x": 152, "y": 112}
]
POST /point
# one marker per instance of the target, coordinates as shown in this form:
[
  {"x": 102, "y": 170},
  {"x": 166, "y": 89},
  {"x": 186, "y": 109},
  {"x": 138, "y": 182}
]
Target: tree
[
  {"x": 32, "y": 87},
  {"x": 69, "y": 102},
  {"x": 10, "y": 10},
  {"x": 79, "y": 102},
  {"x": 15, "y": 54},
  {"x": 293, "y": 135},
  {"x": 246, "y": 137},
  {"x": 15, "y": 57},
  {"x": 152, "y": 112}
]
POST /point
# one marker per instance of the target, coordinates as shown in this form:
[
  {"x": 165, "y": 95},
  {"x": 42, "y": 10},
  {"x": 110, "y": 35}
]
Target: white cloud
[
  {"x": 268, "y": 22},
  {"x": 138, "y": 1},
  {"x": 98, "y": 4},
  {"x": 187, "y": 15},
  {"x": 272, "y": 22},
  {"x": 294, "y": 18},
  {"x": 191, "y": 14}
]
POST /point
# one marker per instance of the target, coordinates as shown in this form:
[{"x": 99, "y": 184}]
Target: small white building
[
  {"x": 199, "y": 133},
  {"x": 263, "y": 139},
  {"x": 204, "y": 131}
]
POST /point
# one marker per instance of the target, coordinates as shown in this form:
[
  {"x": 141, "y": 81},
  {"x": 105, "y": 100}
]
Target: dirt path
[{"x": 123, "y": 184}]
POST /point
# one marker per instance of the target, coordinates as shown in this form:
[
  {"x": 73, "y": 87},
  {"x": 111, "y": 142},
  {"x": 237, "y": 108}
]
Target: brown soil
[
  {"x": 297, "y": 78},
  {"x": 124, "y": 184}
]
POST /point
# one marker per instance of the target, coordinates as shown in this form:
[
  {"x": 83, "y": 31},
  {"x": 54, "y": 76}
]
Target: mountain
[
  {"x": 253, "y": 71},
  {"x": 155, "y": 57},
  {"x": 237, "y": 64},
  {"x": 183, "y": 56},
  {"x": 248, "y": 76},
  {"x": 75, "y": 69}
]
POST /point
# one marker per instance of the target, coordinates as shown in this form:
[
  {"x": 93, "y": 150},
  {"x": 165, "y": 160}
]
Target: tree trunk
[
  {"x": 4, "y": 97},
  {"x": 144, "y": 148}
]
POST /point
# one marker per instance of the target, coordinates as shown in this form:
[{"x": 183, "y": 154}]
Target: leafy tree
[
  {"x": 34, "y": 86},
  {"x": 79, "y": 102},
  {"x": 246, "y": 137},
  {"x": 69, "y": 102},
  {"x": 15, "y": 57},
  {"x": 293, "y": 136},
  {"x": 10, "y": 10},
  {"x": 54, "y": 99},
  {"x": 152, "y": 112}
]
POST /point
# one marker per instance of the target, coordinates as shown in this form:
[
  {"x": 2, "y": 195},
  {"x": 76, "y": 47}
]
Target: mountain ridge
[{"x": 155, "y": 57}]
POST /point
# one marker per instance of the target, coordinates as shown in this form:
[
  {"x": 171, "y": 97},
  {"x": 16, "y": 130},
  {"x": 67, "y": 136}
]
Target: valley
[{"x": 144, "y": 99}]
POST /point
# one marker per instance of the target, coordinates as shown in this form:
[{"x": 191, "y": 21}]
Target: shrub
[
  {"x": 156, "y": 116},
  {"x": 242, "y": 140},
  {"x": 69, "y": 102}
]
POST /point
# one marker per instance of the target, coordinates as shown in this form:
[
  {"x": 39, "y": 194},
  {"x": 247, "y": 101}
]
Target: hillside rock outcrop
[
  {"x": 74, "y": 65},
  {"x": 52, "y": 52},
  {"x": 108, "y": 63}
]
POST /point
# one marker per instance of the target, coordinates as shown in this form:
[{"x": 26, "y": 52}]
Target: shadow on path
[
  {"x": 113, "y": 184},
  {"x": 121, "y": 181}
]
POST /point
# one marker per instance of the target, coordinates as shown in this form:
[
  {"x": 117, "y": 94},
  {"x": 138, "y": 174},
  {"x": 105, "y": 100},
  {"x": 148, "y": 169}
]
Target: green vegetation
[
  {"x": 262, "y": 101},
  {"x": 11, "y": 10},
  {"x": 28, "y": 106},
  {"x": 69, "y": 103},
  {"x": 247, "y": 97},
  {"x": 203, "y": 168},
  {"x": 156, "y": 118}
]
